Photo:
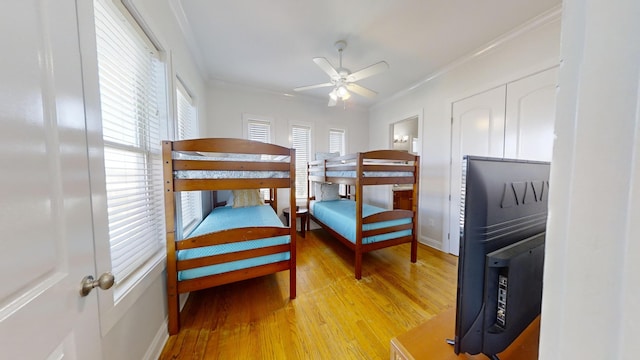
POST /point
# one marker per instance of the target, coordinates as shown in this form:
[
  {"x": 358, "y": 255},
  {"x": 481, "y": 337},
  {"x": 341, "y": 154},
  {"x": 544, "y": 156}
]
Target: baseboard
[
  {"x": 436, "y": 244},
  {"x": 162, "y": 335},
  {"x": 157, "y": 345}
]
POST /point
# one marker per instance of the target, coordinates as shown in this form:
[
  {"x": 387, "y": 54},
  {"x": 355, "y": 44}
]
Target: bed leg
[
  {"x": 174, "y": 313},
  {"x": 292, "y": 282},
  {"x": 414, "y": 250},
  {"x": 358, "y": 265}
]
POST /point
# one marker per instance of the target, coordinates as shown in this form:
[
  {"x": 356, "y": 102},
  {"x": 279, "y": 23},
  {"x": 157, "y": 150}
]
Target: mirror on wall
[{"x": 405, "y": 135}]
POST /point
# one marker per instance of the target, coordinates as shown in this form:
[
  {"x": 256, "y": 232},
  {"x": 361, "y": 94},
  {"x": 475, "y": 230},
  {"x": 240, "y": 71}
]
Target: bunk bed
[
  {"x": 221, "y": 250},
  {"x": 359, "y": 226}
]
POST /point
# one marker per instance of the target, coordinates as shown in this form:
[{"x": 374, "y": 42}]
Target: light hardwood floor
[{"x": 334, "y": 315}]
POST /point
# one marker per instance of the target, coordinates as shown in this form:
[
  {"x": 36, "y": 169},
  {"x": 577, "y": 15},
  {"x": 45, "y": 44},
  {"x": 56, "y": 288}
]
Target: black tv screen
[{"x": 502, "y": 222}]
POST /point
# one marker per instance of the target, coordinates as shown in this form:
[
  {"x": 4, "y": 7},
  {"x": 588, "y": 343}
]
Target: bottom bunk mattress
[
  {"x": 227, "y": 217},
  {"x": 340, "y": 215}
]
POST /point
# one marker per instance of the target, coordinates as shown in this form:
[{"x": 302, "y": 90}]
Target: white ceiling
[{"x": 270, "y": 44}]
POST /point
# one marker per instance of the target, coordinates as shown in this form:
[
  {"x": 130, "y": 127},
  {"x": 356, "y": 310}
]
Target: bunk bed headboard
[{"x": 210, "y": 164}]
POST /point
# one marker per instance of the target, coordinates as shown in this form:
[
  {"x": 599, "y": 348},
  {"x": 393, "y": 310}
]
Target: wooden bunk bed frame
[
  {"x": 174, "y": 240},
  {"x": 371, "y": 161}
]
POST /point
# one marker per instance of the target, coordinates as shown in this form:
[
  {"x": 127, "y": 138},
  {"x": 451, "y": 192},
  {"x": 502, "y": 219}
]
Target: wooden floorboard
[{"x": 334, "y": 315}]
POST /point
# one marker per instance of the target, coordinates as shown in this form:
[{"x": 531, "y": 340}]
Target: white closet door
[
  {"x": 530, "y": 116},
  {"x": 47, "y": 237},
  {"x": 477, "y": 128}
]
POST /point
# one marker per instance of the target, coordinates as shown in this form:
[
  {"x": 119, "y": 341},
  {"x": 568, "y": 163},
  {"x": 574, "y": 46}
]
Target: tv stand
[{"x": 429, "y": 341}]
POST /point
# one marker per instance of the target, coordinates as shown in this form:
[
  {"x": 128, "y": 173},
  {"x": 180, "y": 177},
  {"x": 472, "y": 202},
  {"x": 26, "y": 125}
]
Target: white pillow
[{"x": 326, "y": 192}]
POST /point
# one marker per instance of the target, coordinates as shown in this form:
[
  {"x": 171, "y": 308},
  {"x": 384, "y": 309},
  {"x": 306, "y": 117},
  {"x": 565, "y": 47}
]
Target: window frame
[
  {"x": 247, "y": 119},
  {"x": 299, "y": 181},
  {"x": 192, "y": 198},
  {"x": 111, "y": 310},
  {"x": 343, "y": 132}
]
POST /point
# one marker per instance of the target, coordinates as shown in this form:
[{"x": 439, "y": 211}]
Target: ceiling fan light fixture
[
  {"x": 342, "y": 92},
  {"x": 333, "y": 95}
]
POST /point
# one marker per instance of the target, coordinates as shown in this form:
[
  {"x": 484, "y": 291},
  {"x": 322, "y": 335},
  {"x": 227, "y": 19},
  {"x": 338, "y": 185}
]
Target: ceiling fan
[{"x": 342, "y": 80}]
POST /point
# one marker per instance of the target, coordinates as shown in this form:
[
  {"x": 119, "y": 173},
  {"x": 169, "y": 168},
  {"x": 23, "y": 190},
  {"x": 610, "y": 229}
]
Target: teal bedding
[
  {"x": 223, "y": 218},
  {"x": 340, "y": 215}
]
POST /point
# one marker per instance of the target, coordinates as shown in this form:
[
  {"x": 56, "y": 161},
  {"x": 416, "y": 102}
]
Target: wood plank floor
[{"x": 334, "y": 315}]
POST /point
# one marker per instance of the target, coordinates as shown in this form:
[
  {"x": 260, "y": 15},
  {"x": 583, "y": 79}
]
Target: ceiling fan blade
[
  {"x": 302, "y": 88},
  {"x": 361, "y": 90},
  {"x": 326, "y": 66},
  {"x": 368, "y": 71}
]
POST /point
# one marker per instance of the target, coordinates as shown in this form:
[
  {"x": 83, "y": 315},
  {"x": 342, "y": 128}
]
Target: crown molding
[{"x": 544, "y": 18}]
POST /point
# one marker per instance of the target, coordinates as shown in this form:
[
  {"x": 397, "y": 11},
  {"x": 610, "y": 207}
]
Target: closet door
[
  {"x": 47, "y": 234},
  {"x": 530, "y": 116},
  {"x": 477, "y": 128}
]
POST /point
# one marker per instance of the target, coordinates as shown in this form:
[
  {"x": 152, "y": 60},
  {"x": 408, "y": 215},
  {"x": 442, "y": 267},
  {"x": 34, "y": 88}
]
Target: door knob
[{"x": 104, "y": 282}]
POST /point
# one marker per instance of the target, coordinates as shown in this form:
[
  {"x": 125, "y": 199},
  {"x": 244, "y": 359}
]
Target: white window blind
[
  {"x": 129, "y": 79},
  {"x": 336, "y": 141},
  {"x": 259, "y": 130},
  {"x": 191, "y": 201},
  {"x": 301, "y": 142}
]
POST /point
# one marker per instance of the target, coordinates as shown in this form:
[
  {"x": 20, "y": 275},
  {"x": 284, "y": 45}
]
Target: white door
[
  {"x": 530, "y": 116},
  {"x": 477, "y": 128},
  {"x": 45, "y": 216},
  {"x": 512, "y": 121}
]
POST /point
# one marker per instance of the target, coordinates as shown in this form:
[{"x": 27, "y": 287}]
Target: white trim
[
  {"x": 157, "y": 344},
  {"x": 246, "y": 117},
  {"x": 187, "y": 34},
  {"x": 430, "y": 242},
  {"x": 547, "y": 17}
]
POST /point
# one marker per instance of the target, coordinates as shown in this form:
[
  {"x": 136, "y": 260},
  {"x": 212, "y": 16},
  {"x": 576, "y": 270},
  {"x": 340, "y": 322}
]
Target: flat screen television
[{"x": 503, "y": 219}]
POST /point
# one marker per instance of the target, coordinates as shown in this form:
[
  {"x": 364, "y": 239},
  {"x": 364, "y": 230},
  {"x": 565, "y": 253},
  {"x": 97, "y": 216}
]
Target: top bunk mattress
[
  {"x": 231, "y": 174},
  {"x": 340, "y": 215},
  {"x": 227, "y": 217}
]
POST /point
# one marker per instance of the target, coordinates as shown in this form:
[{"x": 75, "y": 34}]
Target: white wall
[
  {"x": 529, "y": 49},
  {"x": 592, "y": 272},
  {"x": 227, "y": 102}
]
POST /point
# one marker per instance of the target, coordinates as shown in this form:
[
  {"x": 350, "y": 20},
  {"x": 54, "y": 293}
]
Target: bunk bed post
[
  {"x": 273, "y": 198},
  {"x": 414, "y": 208},
  {"x": 308, "y": 195},
  {"x": 359, "y": 175},
  {"x": 292, "y": 223},
  {"x": 169, "y": 204}
]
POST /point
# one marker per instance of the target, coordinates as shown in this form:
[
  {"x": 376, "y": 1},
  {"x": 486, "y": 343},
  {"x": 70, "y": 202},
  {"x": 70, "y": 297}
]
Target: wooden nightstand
[{"x": 403, "y": 199}]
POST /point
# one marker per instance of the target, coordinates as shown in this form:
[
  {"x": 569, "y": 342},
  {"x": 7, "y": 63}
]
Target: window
[
  {"x": 131, "y": 84},
  {"x": 258, "y": 129},
  {"x": 301, "y": 141},
  {"x": 336, "y": 144},
  {"x": 186, "y": 128},
  {"x": 336, "y": 141}
]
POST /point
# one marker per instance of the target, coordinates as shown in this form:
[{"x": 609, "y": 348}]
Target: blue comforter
[
  {"x": 340, "y": 215},
  {"x": 229, "y": 218}
]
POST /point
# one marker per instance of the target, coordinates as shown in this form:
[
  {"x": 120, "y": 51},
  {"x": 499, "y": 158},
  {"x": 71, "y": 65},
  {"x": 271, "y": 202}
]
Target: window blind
[
  {"x": 259, "y": 130},
  {"x": 129, "y": 76},
  {"x": 190, "y": 201},
  {"x": 301, "y": 142},
  {"x": 336, "y": 141}
]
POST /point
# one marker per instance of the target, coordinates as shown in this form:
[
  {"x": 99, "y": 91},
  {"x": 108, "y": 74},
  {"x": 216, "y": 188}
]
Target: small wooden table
[
  {"x": 302, "y": 214},
  {"x": 427, "y": 341}
]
